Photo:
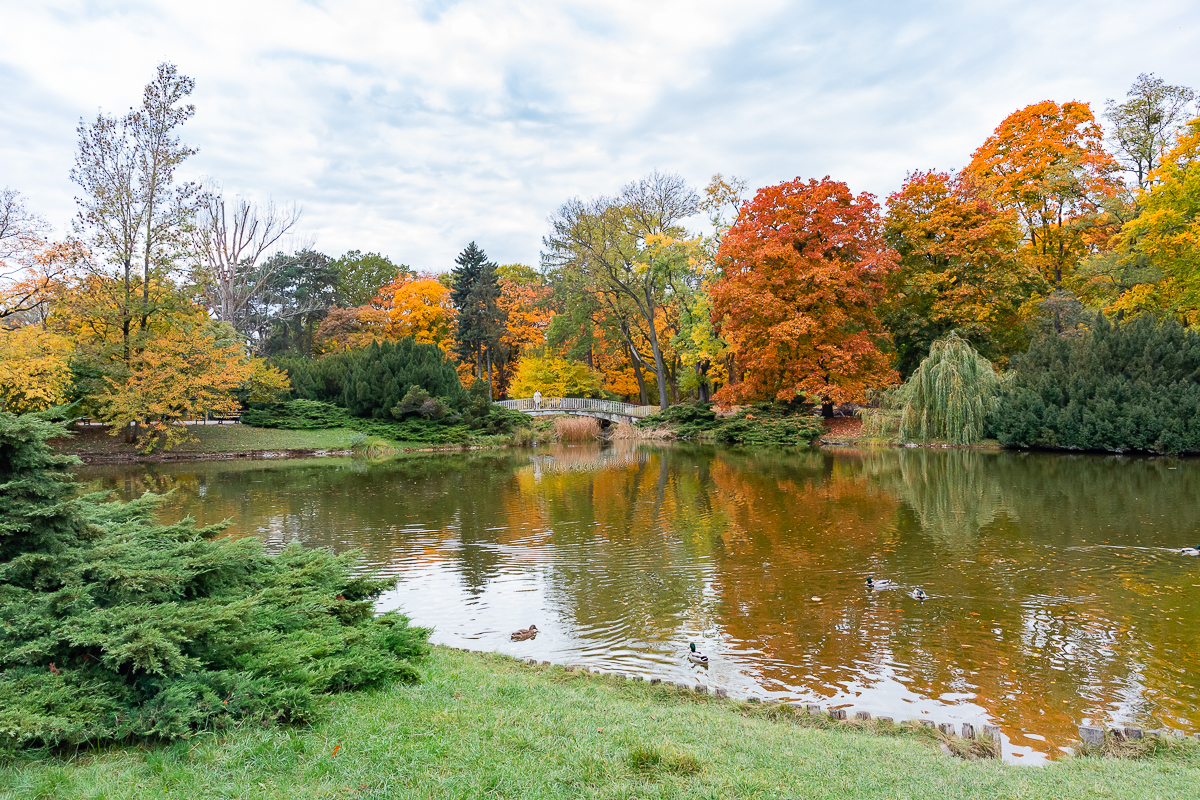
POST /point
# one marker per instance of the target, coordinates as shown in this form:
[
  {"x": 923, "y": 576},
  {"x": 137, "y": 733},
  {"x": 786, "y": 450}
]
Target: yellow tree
[
  {"x": 1167, "y": 233},
  {"x": 181, "y": 374},
  {"x": 35, "y": 370},
  {"x": 1047, "y": 162}
]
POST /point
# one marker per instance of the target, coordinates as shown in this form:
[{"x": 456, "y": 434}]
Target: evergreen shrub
[
  {"x": 118, "y": 627},
  {"x": 1131, "y": 387},
  {"x": 760, "y": 425}
]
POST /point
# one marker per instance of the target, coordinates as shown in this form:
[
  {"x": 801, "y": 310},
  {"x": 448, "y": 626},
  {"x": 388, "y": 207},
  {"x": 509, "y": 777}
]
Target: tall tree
[
  {"x": 959, "y": 270},
  {"x": 609, "y": 241},
  {"x": 228, "y": 244},
  {"x": 475, "y": 295},
  {"x": 1144, "y": 126},
  {"x": 805, "y": 269},
  {"x": 1048, "y": 163},
  {"x": 133, "y": 214},
  {"x": 30, "y": 264}
]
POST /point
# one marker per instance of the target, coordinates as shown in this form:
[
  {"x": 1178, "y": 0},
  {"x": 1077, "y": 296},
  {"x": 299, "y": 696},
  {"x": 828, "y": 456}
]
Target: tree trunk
[
  {"x": 637, "y": 373},
  {"x": 660, "y": 369},
  {"x": 827, "y": 408},
  {"x": 489, "y": 378}
]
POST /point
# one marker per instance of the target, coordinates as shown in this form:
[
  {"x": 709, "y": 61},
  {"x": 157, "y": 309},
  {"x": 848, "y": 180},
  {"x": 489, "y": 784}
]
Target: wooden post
[
  {"x": 863, "y": 715},
  {"x": 926, "y": 723},
  {"x": 1091, "y": 735},
  {"x": 992, "y": 732},
  {"x": 968, "y": 730},
  {"x": 837, "y": 713},
  {"x": 947, "y": 728},
  {"x": 1133, "y": 733},
  {"x": 722, "y": 692},
  {"x": 655, "y": 680}
]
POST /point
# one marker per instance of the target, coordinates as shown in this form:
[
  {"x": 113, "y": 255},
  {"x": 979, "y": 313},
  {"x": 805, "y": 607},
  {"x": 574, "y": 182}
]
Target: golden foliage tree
[
  {"x": 1167, "y": 233},
  {"x": 1047, "y": 162},
  {"x": 182, "y": 374},
  {"x": 35, "y": 370},
  {"x": 554, "y": 377}
]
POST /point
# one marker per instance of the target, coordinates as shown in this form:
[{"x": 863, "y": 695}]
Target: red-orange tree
[{"x": 804, "y": 270}]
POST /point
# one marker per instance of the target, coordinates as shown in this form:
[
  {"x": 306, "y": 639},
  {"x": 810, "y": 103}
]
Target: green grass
[
  {"x": 235, "y": 438},
  {"x": 488, "y": 726}
]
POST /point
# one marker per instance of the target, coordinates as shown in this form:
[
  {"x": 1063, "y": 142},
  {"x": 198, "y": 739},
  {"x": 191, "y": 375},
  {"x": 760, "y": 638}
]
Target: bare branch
[{"x": 229, "y": 243}]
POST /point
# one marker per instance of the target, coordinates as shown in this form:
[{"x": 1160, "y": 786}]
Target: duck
[
  {"x": 918, "y": 594},
  {"x": 1190, "y": 551},
  {"x": 882, "y": 583},
  {"x": 696, "y": 657},
  {"x": 525, "y": 633}
]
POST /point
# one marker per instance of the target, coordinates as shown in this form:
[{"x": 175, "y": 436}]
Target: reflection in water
[{"x": 1053, "y": 598}]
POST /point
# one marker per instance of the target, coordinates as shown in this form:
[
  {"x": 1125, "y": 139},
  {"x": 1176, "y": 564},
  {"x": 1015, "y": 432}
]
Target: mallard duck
[
  {"x": 697, "y": 657},
  {"x": 882, "y": 583},
  {"x": 525, "y": 633},
  {"x": 918, "y": 594},
  {"x": 1190, "y": 551}
]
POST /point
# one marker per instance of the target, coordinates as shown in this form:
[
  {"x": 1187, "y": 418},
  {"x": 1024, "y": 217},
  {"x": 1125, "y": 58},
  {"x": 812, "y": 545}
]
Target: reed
[
  {"x": 623, "y": 430},
  {"x": 576, "y": 429}
]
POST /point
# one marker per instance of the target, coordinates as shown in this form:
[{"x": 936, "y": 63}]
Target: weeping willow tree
[{"x": 949, "y": 396}]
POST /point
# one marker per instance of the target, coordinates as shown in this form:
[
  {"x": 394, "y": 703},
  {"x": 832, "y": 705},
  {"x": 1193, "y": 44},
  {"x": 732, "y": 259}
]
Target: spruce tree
[{"x": 475, "y": 295}]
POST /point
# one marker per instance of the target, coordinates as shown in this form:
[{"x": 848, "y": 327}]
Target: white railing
[{"x": 583, "y": 404}]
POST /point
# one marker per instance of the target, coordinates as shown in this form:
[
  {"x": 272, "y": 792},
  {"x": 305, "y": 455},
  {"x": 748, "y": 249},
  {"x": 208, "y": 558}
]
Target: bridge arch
[{"x": 581, "y": 407}]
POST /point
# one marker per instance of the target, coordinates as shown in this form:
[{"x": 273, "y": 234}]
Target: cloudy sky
[{"x": 411, "y": 128}]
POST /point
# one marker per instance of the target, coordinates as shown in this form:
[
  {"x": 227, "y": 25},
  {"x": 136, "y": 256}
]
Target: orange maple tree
[
  {"x": 1048, "y": 163},
  {"x": 959, "y": 269},
  {"x": 804, "y": 271}
]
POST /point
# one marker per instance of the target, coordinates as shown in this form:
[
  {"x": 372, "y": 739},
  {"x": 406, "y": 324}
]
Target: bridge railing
[{"x": 569, "y": 404}]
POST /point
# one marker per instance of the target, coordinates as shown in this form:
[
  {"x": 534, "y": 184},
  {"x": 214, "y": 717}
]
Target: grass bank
[
  {"x": 95, "y": 445},
  {"x": 488, "y": 726}
]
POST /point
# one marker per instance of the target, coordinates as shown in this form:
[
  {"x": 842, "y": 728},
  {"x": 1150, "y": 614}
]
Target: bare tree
[
  {"x": 1144, "y": 126},
  {"x": 29, "y": 264},
  {"x": 132, "y": 214},
  {"x": 228, "y": 244}
]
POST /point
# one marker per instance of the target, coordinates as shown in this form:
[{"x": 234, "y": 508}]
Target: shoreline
[{"x": 482, "y": 724}]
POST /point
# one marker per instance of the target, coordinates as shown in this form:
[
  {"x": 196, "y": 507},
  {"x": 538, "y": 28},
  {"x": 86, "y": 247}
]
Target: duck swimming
[
  {"x": 525, "y": 633},
  {"x": 918, "y": 594},
  {"x": 1190, "y": 551},
  {"x": 882, "y": 583},
  {"x": 696, "y": 657}
]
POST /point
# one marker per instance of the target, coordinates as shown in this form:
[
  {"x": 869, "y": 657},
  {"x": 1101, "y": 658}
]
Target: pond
[{"x": 1054, "y": 597}]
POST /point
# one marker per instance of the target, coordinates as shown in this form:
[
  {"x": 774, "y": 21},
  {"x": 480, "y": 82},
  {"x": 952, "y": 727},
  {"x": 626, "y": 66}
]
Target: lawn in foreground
[{"x": 487, "y": 726}]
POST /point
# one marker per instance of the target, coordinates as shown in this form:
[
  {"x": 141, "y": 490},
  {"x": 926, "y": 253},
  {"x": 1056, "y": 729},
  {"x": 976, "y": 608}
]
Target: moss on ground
[{"x": 489, "y": 726}]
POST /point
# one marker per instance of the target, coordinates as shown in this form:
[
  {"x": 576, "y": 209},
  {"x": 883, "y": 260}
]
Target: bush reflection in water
[{"x": 1053, "y": 597}]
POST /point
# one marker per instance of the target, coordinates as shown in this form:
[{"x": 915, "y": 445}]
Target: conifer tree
[{"x": 475, "y": 295}]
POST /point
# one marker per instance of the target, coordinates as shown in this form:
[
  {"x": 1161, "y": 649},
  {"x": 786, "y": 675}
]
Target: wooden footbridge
[{"x": 580, "y": 407}]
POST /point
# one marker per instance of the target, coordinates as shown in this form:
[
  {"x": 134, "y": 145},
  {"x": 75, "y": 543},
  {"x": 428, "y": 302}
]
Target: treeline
[{"x": 804, "y": 291}]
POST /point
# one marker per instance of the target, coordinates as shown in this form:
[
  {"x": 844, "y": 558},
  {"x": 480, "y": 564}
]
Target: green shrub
[
  {"x": 760, "y": 425},
  {"x": 298, "y": 415},
  {"x": 1115, "y": 388},
  {"x": 117, "y": 627},
  {"x": 380, "y": 376}
]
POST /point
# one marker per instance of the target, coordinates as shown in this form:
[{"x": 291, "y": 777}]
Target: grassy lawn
[
  {"x": 486, "y": 726},
  {"x": 225, "y": 439}
]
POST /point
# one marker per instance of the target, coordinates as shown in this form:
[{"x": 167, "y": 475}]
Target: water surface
[{"x": 1054, "y": 599}]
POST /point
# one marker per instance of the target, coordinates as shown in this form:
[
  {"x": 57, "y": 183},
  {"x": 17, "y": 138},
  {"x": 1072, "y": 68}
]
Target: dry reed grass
[
  {"x": 576, "y": 429},
  {"x": 623, "y": 430}
]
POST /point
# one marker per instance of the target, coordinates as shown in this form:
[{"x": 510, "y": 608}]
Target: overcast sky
[{"x": 413, "y": 128}]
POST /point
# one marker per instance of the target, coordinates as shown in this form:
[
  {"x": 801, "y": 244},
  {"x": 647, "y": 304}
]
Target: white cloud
[{"x": 415, "y": 128}]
